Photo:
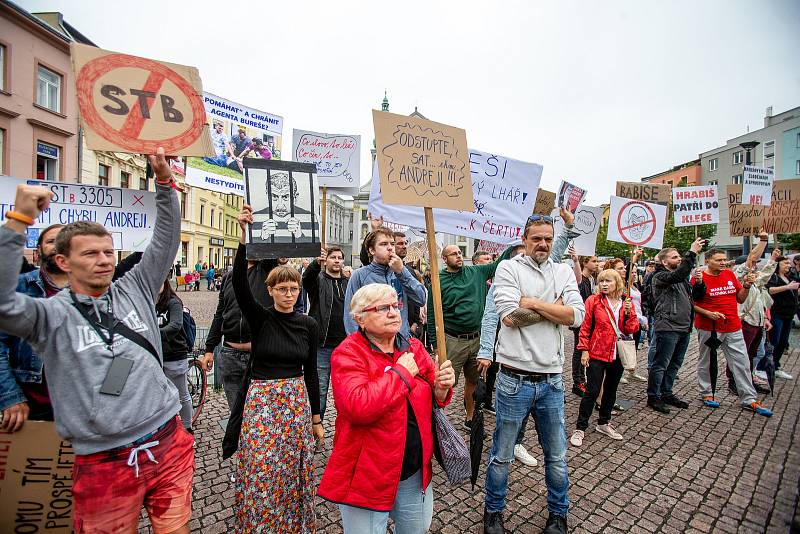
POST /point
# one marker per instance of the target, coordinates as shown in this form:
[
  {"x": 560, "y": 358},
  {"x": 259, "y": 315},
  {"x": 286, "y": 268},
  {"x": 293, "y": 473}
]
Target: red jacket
[
  {"x": 597, "y": 333},
  {"x": 370, "y": 392}
]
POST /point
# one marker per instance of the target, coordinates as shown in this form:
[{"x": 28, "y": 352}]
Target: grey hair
[{"x": 368, "y": 294}]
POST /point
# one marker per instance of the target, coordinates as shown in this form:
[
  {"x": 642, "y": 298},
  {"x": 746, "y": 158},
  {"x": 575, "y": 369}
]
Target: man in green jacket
[{"x": 463, "y": 298}]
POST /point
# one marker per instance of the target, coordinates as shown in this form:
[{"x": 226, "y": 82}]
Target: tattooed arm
[{"x": 522, "y": 317}]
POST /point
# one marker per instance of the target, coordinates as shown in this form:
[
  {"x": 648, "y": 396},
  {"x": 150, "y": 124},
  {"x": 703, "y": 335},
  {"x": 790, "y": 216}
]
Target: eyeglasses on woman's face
[
  {"x": 384, "y": 308},
  {"x": 286, "y": 290}
]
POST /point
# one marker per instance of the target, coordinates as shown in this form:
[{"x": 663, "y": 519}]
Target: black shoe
[
  {"x": 556, "y": 524},
  {"x": 732, "y": 388},
  {"x": 493, "y": 523},
  {"x": 672, "y": 400},
  {"x": 657, "y": 405},
  {"x": 468, "y": 424},
  {"x": 761, "y": 389},
  {"x": 489, "y": 408}
]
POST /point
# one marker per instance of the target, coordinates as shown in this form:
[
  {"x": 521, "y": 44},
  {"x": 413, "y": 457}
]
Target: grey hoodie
[{"x": 75, "y": 358}]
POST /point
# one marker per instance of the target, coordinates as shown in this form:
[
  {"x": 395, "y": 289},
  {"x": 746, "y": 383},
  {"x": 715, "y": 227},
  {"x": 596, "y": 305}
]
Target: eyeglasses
[
  {"x": 286, "y": 290},
  {"x": 397, "y": 306},
  {"x": 537, "y": 218}
]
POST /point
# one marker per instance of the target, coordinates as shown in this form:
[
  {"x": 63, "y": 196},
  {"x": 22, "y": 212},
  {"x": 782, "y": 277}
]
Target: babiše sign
[
  {"x": 655, "y": 193},
  {"x": 757, "y": 185},
  {"x": 336, "y": 156},
  {"x": 128, "y": 214},
  {"x": 695, "y": 205},
  {"x": 636, "y": 223},
  {"x": 422, "y": 163},
  {"x": 136, "y": 105},
  {"x": 504, "y": 190}
]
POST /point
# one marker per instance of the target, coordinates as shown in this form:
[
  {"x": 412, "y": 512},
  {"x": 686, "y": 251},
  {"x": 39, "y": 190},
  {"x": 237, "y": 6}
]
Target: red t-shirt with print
[{"x": 720, "y": 297}]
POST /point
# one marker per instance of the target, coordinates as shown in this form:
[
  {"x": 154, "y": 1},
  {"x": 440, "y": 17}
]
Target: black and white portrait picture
[{"x": 285, "y": 200}]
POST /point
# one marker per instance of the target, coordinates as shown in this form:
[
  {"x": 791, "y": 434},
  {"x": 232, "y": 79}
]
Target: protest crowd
[{"x": 100, "y": 348}]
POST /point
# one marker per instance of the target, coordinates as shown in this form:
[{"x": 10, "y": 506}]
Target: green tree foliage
[{"x": 791, "y": 242}]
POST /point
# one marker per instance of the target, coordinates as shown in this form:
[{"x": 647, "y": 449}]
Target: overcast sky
[{"x": 594, "y": 91}]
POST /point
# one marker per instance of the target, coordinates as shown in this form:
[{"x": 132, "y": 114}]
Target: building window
[
  {"x": 713, "y": 164},
  {"x": 48, "y": 89},
  {"x": 3, "y": 63},
  {"x": 202, "y": 212},
  {"x": 736, "y": 179},
  {"x": 183, "y": 205},
  {"x": 2, "y": 151},
  {"x": 102, "y": 174},
  {"x": 199, "y": 255},
  {"x": 184, "y": 253},
  {"x": 712, "y": 182},
  {"x": 212, "y": 218},
  {"x": 738, "y": 157},
  {"x": 769, "y": 149},
  {"x": 124, "y": 179},
  {"x": 144, "y": 183},
  {"x": 47, "y": 161},
  {"x": 219, "y": 219},
  {"x": 797, "y": 143},
  {"x": 797, "y": 167}
]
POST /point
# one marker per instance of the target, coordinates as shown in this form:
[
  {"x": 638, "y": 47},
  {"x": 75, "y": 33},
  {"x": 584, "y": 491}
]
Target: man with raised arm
[{"x": 100, "y": 344}]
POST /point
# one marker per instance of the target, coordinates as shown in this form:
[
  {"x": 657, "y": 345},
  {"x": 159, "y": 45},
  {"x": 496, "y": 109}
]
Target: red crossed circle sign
[
  {"x": 625, "y": 231},
  {"x": 128, "y": 136}
]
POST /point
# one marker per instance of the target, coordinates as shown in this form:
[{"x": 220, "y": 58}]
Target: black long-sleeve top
[{"x": 283, "y": 345}]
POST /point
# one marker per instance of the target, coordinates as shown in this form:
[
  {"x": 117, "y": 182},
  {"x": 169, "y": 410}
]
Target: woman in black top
[
  {"x": 784, "y": 306},
  {"x": 279, "y": 408},
  {"x": 169, "y": 310}
]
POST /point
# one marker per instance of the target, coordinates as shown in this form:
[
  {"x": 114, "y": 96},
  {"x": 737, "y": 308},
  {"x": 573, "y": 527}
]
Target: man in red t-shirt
[{"x": 718, "y": 309}]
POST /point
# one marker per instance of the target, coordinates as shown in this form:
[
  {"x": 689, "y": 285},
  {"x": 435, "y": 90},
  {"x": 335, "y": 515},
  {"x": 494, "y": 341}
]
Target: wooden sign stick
[
  {"x": 436, "y": 288},
  {"x": 324, "y": 214}
]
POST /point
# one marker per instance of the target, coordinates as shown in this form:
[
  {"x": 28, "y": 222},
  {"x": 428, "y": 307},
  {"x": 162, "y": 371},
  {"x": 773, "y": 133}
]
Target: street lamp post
[{"x": 747, "y": 146}]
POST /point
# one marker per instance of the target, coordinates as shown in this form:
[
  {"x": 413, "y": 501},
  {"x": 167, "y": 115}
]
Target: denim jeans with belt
[{"x": 516, "y": 396}]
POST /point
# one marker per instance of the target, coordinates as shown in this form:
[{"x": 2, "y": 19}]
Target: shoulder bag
[
  {"x": 626, "y": 349},
  {"x": 449, "y": 447}
]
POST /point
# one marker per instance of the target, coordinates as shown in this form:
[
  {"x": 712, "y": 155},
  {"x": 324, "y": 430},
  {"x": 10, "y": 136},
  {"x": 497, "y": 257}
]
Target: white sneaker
[
  {"x": 577, "y": 438},
  {"x": 623, "y": 380},
  {"x": 522, "y": 454},
  {"x": 639, "y": 378},
  {"x": 609, "y": 431},
  {"x": 780, "y": 373},
  {"x": 761, "y": 374}
]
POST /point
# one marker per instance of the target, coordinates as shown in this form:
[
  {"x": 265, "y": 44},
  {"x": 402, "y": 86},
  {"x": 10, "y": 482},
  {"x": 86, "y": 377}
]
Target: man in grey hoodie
[
  {"x": 101, "y": 346},
  {"x": 386, "y": 268}
]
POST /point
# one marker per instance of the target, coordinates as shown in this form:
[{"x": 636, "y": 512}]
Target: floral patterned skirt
[{"x": 274, "y": 480}]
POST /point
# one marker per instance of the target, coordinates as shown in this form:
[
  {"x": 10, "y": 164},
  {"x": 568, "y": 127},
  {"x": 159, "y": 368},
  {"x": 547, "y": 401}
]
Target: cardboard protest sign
[
  {"x": 757, "y": 185},
  {"x": 285, "y": 200},
  {"x": 570, "y": 196},
  {"x": 782, "y": 216},
  {"x": 655, "y": 193},
  {"x": 336, "y": 156},
  {"x": 422, "y": 163},
  {"x": 128, "y": 214},
  {"x": 588, "y": 220},
  {"x": 504, "y": 192},
  {"x": 636, "y": 223},
  {"x": 695, "y": 205},
  {"x": 237, "y": 133},
  {"x": 545, "y": 202},
  {"x": 35, "y": 480},
  {"x": 132, "y": 104}
]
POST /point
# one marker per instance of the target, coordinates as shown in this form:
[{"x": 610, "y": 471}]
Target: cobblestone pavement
[{"x": 693, "y": 471}]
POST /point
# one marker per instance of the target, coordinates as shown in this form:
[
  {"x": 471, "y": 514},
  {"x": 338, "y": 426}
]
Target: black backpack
[{"x": 189, "y": 329}]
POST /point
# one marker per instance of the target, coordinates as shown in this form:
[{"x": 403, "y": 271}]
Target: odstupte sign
[
  {"x": 136, "y": 105},
  {"x": 422, "y": 163},
  {"x": 636, "y": 223},
  {"x": 128, "y": 214}
]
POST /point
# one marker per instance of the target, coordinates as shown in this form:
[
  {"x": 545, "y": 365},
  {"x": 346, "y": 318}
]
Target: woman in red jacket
[
  {"x": 598, "y": 342},
  {"x": 382, "y": 383}
]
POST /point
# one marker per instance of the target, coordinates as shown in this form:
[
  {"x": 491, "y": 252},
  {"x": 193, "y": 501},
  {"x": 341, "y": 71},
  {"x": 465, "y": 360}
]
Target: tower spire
[{"x": 385, "y": 103}]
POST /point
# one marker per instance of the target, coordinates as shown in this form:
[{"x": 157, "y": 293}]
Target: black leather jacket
[{"x": 319, "y": 287}]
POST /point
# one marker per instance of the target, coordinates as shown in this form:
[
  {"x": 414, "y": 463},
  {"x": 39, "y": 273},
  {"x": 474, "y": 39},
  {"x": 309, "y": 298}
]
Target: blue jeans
[
  {"x": 412, "y": 511},
  {"x": 779, "y": 337},
  {"x": 545, "y": 401},
  {"x": 668, "y": 349},
  {"x": 324, "y": 374}
]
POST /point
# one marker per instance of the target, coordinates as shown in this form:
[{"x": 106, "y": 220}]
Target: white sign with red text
[
  {"x": 757, "y": 185},
  {"x": 695, "y": 205}
]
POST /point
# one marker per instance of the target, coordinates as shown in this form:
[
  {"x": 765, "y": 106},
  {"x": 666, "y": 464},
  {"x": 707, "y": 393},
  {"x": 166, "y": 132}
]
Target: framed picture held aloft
[{"x": 284, "y": 196}]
